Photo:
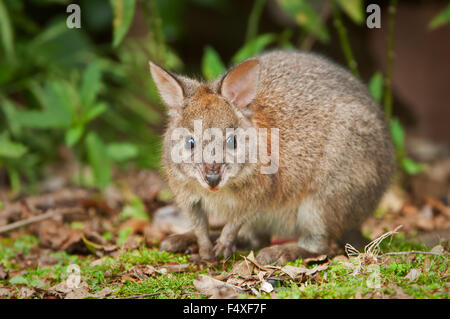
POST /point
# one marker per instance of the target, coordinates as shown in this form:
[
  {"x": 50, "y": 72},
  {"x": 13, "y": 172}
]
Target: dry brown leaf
[
  {"x": 293, "y": 271},
  {"x": 312, "y": 271},
  {"x": 413, "y": 274},
  {"x": 243, "y": 268},
  {"x": 4, "y": 273},
  {"x": 215, "y": 288},
  {"x": 175, "y": 267}
]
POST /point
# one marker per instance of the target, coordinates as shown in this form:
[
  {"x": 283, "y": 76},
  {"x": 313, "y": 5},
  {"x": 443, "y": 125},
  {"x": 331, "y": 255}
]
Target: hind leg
[{"x": 313, "y": 241}]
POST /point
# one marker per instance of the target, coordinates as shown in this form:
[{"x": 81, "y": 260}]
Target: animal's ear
[
  {"x": 168, "y": 86},
  {"x": 240, "y": 84}
]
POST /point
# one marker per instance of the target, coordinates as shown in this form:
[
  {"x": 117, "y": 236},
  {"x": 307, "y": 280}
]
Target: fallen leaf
[
  {"x": 4, "y": 273},
  {"x": 26, "y": 292},
  {"x": 413, "y": 274},
  {"x": 312, "y": 271},
  {"x": 438, "y": 249},
  {"x": 175, "y": 267},
  {"x": 243, "y": 268},
  {"x": 293, "y": 271},
  {"x": 79, "y": 293},
  {"x": 215, "y": 288},
  {"x": 266, "y": 287}
]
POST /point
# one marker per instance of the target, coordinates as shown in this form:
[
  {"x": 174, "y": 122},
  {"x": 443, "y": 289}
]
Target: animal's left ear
[{"x": 240, "y": 84}]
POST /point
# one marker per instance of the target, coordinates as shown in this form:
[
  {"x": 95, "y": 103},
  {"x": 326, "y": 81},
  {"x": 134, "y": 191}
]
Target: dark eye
[
  {"x": 190, "y": 143},
  {"x": 231, "y": 142}
]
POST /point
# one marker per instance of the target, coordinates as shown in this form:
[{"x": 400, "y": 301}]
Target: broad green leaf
[
  {"x": 58, "y": 102},
  {"x": 123, "y": 16},
  {"x": 441, "y": 19},
  {"x": 18, "y": 280},
  {"x": 254, "y": 47},
  {"x": 95, "y": 111},
  {"x": 10, "y": 149},
  {"x": 212, "y": 65},
  {"x": 305, "y": 15},
  {"x": 90, "y": 84},
  {"x": 120, "y": 152},
  {"x": 353, "y": 8},
  {"x": 98, "y": 160},
  {"x": 73, "y": 135},
  {"x": 376, "y": 86},
  {"x": 6, "y": 31},
  {"x": 412, "y": 167},
  {"x": 397, "y": 133}
]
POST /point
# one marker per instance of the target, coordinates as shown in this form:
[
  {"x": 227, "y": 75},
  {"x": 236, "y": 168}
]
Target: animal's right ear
[{"x": 168, "y": 86}]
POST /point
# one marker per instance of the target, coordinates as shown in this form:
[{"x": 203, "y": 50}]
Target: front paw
[{"x": 226, "y": 248}]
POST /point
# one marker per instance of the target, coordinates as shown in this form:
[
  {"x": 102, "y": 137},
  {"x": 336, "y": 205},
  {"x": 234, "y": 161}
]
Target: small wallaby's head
[{"x": 206, "y": 123}]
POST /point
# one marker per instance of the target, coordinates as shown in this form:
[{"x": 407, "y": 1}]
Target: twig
[
  {"x": 38, "y": 218},
  {"x": 415, "y": 252},
  {"x": 253, "y": 20},
  {"x": 389, "y": 62},
  {"x": 142, "y": 295},
  {"x": 343, "y": 39}
]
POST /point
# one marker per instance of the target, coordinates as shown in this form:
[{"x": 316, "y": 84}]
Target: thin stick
[
  {"x": 38, "y": 218},
  {"x": 253, "y": 20},
  {"x": 415, "y": 252},
  {"x": 389, "y": 62},
  {"x": 343, "y": 39}
]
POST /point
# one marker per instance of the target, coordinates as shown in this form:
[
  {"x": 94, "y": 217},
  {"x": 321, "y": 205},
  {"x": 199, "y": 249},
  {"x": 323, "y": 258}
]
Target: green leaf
[
  {"x": 212, "y": 65},
  {"x": 90, "y": 84},
  {"x": 6, "y": 32},
  {"x": 10, "y": 149},
  {"x": 397, "y": 133},
  {"x": 254, "y": 47},
  {"x": 18, "y": 280},
  {"x": 120, "y": 152},
  {"x": 441, "y": 19},
  {"x": 353, "y": 8},
  {"x": 73, "y": 135},
  {"x": 305, "y": 15},
  {"x": 412, "y": 167},
  {"x": 57, "y": 101},
  {"x": 376, "y": 86},
  {"x": 135, "y": 209},
  {"x": 123, "y": 16},
  {"x": 123, "y": 235},
  {"x": 95, "y": 111},
  {"x": 98, "y": 160}
]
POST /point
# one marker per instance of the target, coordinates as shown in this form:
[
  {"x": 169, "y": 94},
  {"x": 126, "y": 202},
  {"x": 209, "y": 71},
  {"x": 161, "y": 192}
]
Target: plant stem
[
  {"x": 389, "y": 62},
  {"x": 307, "y": 43},
  {"x": 151, "y": 13},
  {"x": 253, "y": 20},
  {"x": 343, "y": 39}
]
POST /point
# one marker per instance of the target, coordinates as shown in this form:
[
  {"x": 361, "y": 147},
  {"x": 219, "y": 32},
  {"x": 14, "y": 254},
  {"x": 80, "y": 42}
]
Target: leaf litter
[{"x": 89, "y": 224}]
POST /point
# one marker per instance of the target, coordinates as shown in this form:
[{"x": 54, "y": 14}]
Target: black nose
[{"x": 212, "y": 179}]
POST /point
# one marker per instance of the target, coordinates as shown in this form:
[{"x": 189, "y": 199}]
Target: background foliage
[{"x": 88, "y": 93}]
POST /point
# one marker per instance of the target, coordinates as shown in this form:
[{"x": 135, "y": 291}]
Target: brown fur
[{"x": 335, "y": 153}]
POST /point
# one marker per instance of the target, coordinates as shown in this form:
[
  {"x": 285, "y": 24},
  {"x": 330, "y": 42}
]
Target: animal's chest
[{"x": 224, "y": 205}]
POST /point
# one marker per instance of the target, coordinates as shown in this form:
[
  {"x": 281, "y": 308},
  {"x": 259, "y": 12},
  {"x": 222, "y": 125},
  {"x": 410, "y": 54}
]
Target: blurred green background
[{"x": 85, "y": 97}]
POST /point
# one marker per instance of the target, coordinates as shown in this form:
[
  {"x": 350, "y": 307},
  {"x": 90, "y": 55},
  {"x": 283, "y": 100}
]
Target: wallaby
[{"x": 334, "y": 154}]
